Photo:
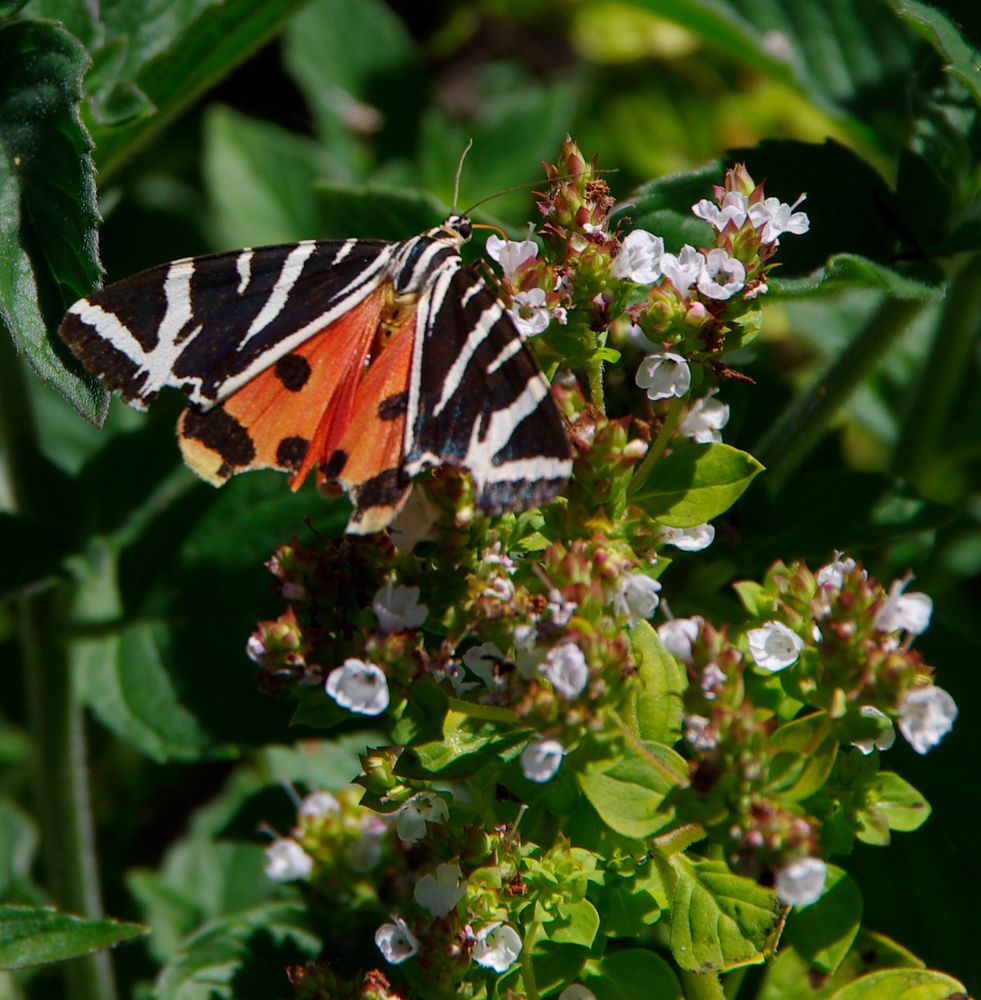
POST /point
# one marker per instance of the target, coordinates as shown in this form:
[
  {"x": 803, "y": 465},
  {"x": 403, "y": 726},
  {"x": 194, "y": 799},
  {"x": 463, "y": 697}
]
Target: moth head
[{"x": 458, "y": 228}]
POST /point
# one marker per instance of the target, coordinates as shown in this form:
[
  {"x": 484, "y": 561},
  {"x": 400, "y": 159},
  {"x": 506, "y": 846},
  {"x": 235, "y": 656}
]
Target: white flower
[
  {"x": 886, "y": 736},
  {"x": 693, "y": 539},
  {"x": 734, "y": 206},
  {"x": 417, "y": 812},
  {"x": 778, "y": 45},
  {"x": 441, "y": 892},
  {"x": 365, "y": 852},
  {"x": 637, "y": 596},
  {"x": 497, "y": 947},
  {"x": 722, "y": 275},
  {"x": 359, "y": 687},
  {"x": 482, "y": 660},
  {"x": 316, "y": 805},
  {"x": 926, "y": 716},
  {"x": 682, "y": 271},
  {"x": 529, "y": 312},
  {"x": 510, "y": 254},
  {"x": 664, "y": 375},
  {"x": 699, "y": 732},
  {"x": 566, "y": 669},
  {"x": 705, "y": 419},
  {"x": 777, "y": 217},
  {"x": 906, "y": 612},
  {"x": 527, "y": 656},
  {"x": 398, "y": 609},
  {"x": 255, "y": 648},
  {"x": 833, "y": 574},
  {"x": 286, "y": 861},
  {"x": 678, "y": 634},
  {"x": 541, "y": 759},
  {"x": 639, "y": 259},
  {"x": 577, "y": 992},
  {"x": 801, "y": 882},
  {"x": 713, "y": 678},
  {"x": 774, "y": 646},
  {"x": 396, "y": 942},
  {"x": 559, "y": 609}
]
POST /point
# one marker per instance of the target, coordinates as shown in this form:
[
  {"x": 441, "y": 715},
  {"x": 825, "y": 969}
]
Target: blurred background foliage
[{"x": 248, "y": 122}]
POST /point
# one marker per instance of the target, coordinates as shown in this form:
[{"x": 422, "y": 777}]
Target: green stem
[
  {"x": 527, "y": 966},
  {"x": 701, "y": 985},
  {"x": 660, "y": 443},
  {"x": 917, "y": 452},
  {"x": 56, "y": 720},
  {"x": 594, "y": 372},
  {"x": 788, "y": 441}
]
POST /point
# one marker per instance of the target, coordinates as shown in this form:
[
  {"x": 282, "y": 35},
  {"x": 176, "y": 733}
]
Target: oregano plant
[{"x": 652, "y": 738}]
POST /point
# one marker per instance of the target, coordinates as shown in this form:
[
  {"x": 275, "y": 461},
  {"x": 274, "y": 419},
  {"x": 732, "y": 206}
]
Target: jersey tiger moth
[{"x": 366, "y": 360}]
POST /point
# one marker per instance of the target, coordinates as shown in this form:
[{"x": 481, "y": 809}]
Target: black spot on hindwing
[
  {"x": 219, "y": 431},
  {"x": 334, "y": 466},
  {"x": 393, "y": 406},
  {"x": 293, "y": 370},
  {"x": 292, "y": 451}
]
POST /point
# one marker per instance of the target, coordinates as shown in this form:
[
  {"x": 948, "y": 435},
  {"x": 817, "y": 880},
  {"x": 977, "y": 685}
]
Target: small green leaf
[
  {"x": 935, "y": 26},
  {"x": 628, "y": 793},
  {"x": 695, "y": 483},
  {"x": 892, "y": 804},
  {"x": 805, "y": 752},
  {"x": 902, "y": 984},
  {"x": 215, "y": 960},
  {"x": 752, "y": 596},
  {"x": 36, "y": 935},
  {"x": 719, "y": 920},
  {"x": 824, "y": 931},
  {"x": 657, "y": 707},
  {"x": 632, "y": 974},
  {"x": 576, "y": 923},
  {"x": 48, "y": 215}
]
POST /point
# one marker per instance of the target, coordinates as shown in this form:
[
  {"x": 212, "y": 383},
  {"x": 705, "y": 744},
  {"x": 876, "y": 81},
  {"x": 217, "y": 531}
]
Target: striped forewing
[{"x": 207, "y": 325}]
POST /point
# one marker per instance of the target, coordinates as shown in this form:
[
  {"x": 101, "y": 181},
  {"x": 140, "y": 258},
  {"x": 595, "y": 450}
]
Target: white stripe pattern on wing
[
  {"x": 243, "y": 264},
  {"x": 288, "y": 277}
]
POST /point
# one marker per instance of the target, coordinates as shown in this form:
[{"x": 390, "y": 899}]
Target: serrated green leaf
[
  {"x": 629, "y": 793},
  {"x": 902, "y": 984},
  {"x": 719, "y": 920},
  {"x": 260, "y": 180},
  {"x": 695, "y": 483},
  {"x": 32, "y": 935},
  {"x": 804, "y": 754},
  {"x": 48, "y": 216},
  {"x": 823, "y": 932},
  {"x": 657, "y": 708},
  {"x": 891, "y": 804},
  {"x": 632, "y": 974},
  {"x": 176, "y": 51},
  {"x": 217, "y": 956},
  {"x": 919, "y": 281},
  {"x": 962, "y": 60}
]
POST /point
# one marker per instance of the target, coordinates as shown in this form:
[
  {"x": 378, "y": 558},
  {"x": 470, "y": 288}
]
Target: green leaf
[
  {"x": 375, "y": 212},
  {"x": 632, "y": 974},
  {"x": 695, "y": 483},
  {"x": 823, "y": 932},
  {"x": 217, "y": 960},
  {"x": 963, "y": 61},
  {"x": 174, "y": 52},
  {"x": 48, "y": 215},
  {"x": 628, "y": 793},
  {"x": 9, "y": 7},
  {"x": 260, "y": 180},
  {"x": 577, "y": 922},
  {"x": 892, "y": 804},
  {"x": 719, "y": 920},
  {"x": 805, "y": 752},
  {"x": 36, "y": 935},
  {"x": 18, "y": 846},
  {"x": 902, "y": 984},
  {"x": 357, "y": 66},
  {"x": 657, "y": 708},
  {"x": 919, "y": 281},
  {"x": 121, "y": 674}
]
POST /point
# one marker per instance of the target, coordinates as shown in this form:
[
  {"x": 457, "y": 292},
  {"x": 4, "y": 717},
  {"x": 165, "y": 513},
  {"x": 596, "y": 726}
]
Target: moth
[{"x": 364, "y": 360}]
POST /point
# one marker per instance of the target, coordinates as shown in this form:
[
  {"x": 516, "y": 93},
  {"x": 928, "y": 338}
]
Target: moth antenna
[
  {"x": 522, "y": 187},
  {"x": 459, "y": 171}
]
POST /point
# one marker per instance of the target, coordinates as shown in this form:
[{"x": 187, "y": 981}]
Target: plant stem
[
  {"x": 658, "y": 445},
  {"x": 916, "y": 452},
  {"x": 701, "y": 986},
  {"x": 527, "y": 966},
  {"x": 797, "y": 429},
  {"x": 594, "y": 373},
  {"x": 56, "y": 720}
]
